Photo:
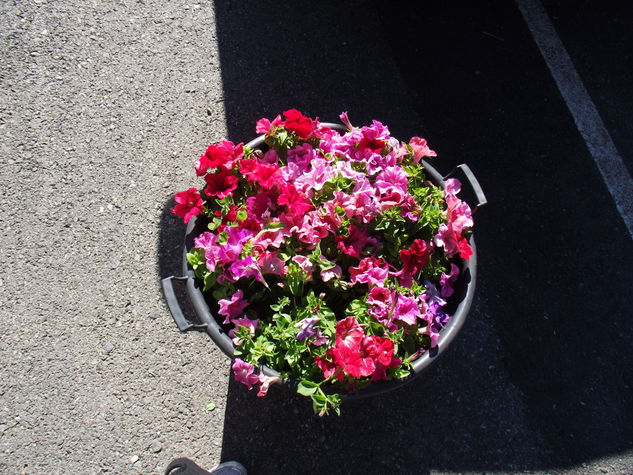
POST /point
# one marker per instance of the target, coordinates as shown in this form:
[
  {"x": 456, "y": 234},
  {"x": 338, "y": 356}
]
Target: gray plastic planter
[{"x": 458, "y": 304}]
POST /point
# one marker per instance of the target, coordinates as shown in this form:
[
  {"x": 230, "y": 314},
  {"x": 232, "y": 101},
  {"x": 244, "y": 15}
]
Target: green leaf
[
  {"x": 210, "y": 407},
  {"x": 307, "y": 388}
]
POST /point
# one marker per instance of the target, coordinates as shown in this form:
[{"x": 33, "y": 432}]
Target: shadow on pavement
[{"x": 540, "y": 376}]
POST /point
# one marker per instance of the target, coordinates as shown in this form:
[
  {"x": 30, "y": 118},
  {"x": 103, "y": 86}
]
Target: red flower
[
  {"x": 356, "y": 354},
  {"x": 266, "y": 175},
  {"x": 220, "y": 184},
  {"x": 370, "y": 146},
  {"x": 297, "y": 203},
  {"x": 223, "y": 155},
  {"x": 296, "y": 122},
  {"x": 348, "y": 333},
  {"x": 189, "y": 204},
  {"x": 416, "y": 257},
  {"x": 464, "y": 248}
]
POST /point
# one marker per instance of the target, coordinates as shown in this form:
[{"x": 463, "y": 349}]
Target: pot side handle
[
  {"x": 174, "y": 306},
  {"x": 474, "y": 184}
]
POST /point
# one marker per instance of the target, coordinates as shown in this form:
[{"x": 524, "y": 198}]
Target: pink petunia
[
  {"x": 244, "y": 373},
  {"x": 269, "y": 263},
  {"x": 406, "y": 310},
  {"x": 296, "y": 202},
  {"x": 332, "y": 273},
  {"x": 305, "y": 263},
  {"x": 244, "y": 322},
  {"x": 370, "y": 270},
  {"x": 420, "y": 149},
  {"x": 348, "y": 332},
  {"x": 264, "y": 383},
  {"x": 189, "y": 204},
  {"x": 355, "y": 242},
  {"x": 264, "y": 125},
  {"x": 233, "y": 307}
]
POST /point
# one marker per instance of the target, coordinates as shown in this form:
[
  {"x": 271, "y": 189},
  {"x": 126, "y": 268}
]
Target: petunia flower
[
  {"x": 233, "y": 307},
  {"x": 370, "y": 270},
  {"x": 416, "y": 257},
  {"x": 420, "y": 149},
  {"x": 406, "y": 309},
  {"x": 264, "y": 125},
  {"x": 264, "y": 383},
  {"x": 447, "y": 280},
  {"x": 298, "y": 123},
  {"x": 189, "y": 204},
  {"x": 244, "y": 322},
  {"x": 244, "y": 373},
  {"x": 296, "y": 202},
  {"x": 355, "y": 242},
  {"x": 220, "y": 184}
]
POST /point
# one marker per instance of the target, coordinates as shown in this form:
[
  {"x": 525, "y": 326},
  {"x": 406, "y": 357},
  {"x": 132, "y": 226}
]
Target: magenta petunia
[
  {"x": 244, "y": 373},
  {"x": 406, "y": 309},
  {"x": 447, "y": 280},
  {"x": 370, "y": 270},
  {"x": 244, "y": 322},
  {"x": 355, "y": 242},
  {"x": 231, "y": 308}
]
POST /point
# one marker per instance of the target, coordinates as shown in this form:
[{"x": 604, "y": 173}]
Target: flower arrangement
[{"x": 329, "y": 255}]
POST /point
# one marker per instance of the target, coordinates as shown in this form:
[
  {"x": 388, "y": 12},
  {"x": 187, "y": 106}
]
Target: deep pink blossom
[
  {"x": 220, "y": 184},
  {"x": 355, "y": 242},
  {"x": 244, "y": 322},
  {"x": 264, "y": 125},
  {"x": 452, "y": 242},
  {"x": 447, "y": 280},
  {"x": 416, "y": 257},
  {"x": 458, "y": 214},
  {"x": 244, "y": 373},
  {"x": 296, "y": 202},
  {"x": 370, "y": 270},
  {"x": 189, "y": 204},
  {"x": 269, "y": 263},
  {"x": 406, "y": 309},
  {"x": 348, "y": 332},
  {"x": 233, "y": 307}
]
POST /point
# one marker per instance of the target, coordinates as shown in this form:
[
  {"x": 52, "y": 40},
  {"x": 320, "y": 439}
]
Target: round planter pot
[{"x": 458, "y": 304}]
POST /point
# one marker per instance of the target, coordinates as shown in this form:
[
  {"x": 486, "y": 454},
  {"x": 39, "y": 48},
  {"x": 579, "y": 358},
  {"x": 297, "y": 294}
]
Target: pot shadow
[{"x": 539, "y": 376}]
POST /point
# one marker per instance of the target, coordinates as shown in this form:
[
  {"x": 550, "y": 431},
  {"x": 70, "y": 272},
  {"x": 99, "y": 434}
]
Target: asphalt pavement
[{"x": 105, "y": 106}]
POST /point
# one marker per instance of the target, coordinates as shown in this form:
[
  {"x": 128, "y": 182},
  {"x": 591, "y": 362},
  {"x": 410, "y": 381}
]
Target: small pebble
[{"x": 155, "y": 447}]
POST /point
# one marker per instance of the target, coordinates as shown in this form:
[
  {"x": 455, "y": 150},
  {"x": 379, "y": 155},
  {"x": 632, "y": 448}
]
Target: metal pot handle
[{"x": 474, "y": 183}]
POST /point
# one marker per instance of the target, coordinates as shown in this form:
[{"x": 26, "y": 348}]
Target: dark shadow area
[{"x": 540, "y": 376}]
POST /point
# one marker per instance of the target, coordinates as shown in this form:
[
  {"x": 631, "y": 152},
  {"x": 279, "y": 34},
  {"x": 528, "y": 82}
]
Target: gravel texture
[
  {"x": 104, "y": 107},
  {"x": 102, "y": 112}
]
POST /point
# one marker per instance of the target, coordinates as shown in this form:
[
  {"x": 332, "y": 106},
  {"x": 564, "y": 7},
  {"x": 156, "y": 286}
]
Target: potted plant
[{"x": 330, "y": 258}]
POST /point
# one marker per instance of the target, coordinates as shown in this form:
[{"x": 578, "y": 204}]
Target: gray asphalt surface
[{"x": 104, "y": 107}]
